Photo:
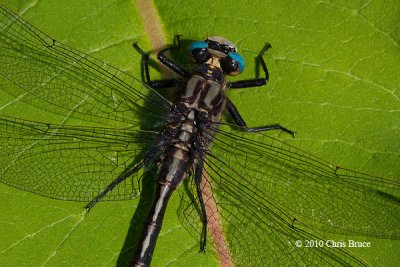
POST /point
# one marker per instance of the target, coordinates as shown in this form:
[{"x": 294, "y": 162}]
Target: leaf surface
[{"x": 333, "y": 79}]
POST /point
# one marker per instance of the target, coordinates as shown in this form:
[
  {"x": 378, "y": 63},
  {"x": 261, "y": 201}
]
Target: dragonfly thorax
[{"x": 206, "y": 95}]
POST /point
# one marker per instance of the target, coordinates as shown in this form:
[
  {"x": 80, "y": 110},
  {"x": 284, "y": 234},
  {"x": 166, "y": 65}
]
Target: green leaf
[{"x": 333, "y": 79}]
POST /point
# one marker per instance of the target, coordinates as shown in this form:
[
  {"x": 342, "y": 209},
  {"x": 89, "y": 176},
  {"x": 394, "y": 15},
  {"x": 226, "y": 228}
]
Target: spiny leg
[
  {"x": 197, "y": 179},
  {"x": 127, "y": 173},
  {"x": 158, "y": 84},
  {"x": 240, "y": 121},
  {"x": 256, "y": 81},
  {"x": 253, "y": 83}
]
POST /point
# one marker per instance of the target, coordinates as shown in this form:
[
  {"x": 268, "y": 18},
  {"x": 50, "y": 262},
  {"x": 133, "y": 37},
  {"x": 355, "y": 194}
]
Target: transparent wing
[
  {"x": 62, "y": 80},
  {"x": 332, "y": 198},
  {"x": 70, "y": 162},
  {"x": 258, "y": 232},
  {"x": 268, "y": 195}
]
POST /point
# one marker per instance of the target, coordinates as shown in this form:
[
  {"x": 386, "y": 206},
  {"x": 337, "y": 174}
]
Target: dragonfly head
[{"x": 218, "y": 52}]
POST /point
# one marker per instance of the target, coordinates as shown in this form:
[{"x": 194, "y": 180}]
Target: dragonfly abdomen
[{"x": 201, "y": 103}]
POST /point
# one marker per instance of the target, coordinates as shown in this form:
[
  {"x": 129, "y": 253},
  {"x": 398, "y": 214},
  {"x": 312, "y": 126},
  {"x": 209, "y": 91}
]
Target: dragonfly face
[{"x": 219, "y": 53}]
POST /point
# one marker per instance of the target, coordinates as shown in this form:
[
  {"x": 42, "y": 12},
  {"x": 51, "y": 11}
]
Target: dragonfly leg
[
  {"x": 256, "y": 81},
  {"x": 127, "y": 173},
  {"x": 197, "y": 179},
  {"x": 158, "y": 84},
  {"x": 240, "y": 121},
  {"x": 172, "y": 65}
]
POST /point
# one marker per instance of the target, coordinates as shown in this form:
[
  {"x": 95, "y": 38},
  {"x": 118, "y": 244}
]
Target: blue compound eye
[
  {"x": 198, "y": 52},
  {"x": 238, "y": 59},
  {"x": 197, "y": 45}
]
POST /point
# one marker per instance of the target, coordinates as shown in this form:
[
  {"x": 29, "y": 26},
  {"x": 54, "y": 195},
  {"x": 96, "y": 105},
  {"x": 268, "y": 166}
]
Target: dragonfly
[{"x": 264, "y": 194}]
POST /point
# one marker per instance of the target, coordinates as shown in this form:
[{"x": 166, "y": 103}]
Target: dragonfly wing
[
  {"x": 70, "y": 162},
  {"x": 65, "y": 81},
  {"x": 317, "y": 192},
  {"x": 257, "y": 232},
  {"x": 268, "y": 195}
]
